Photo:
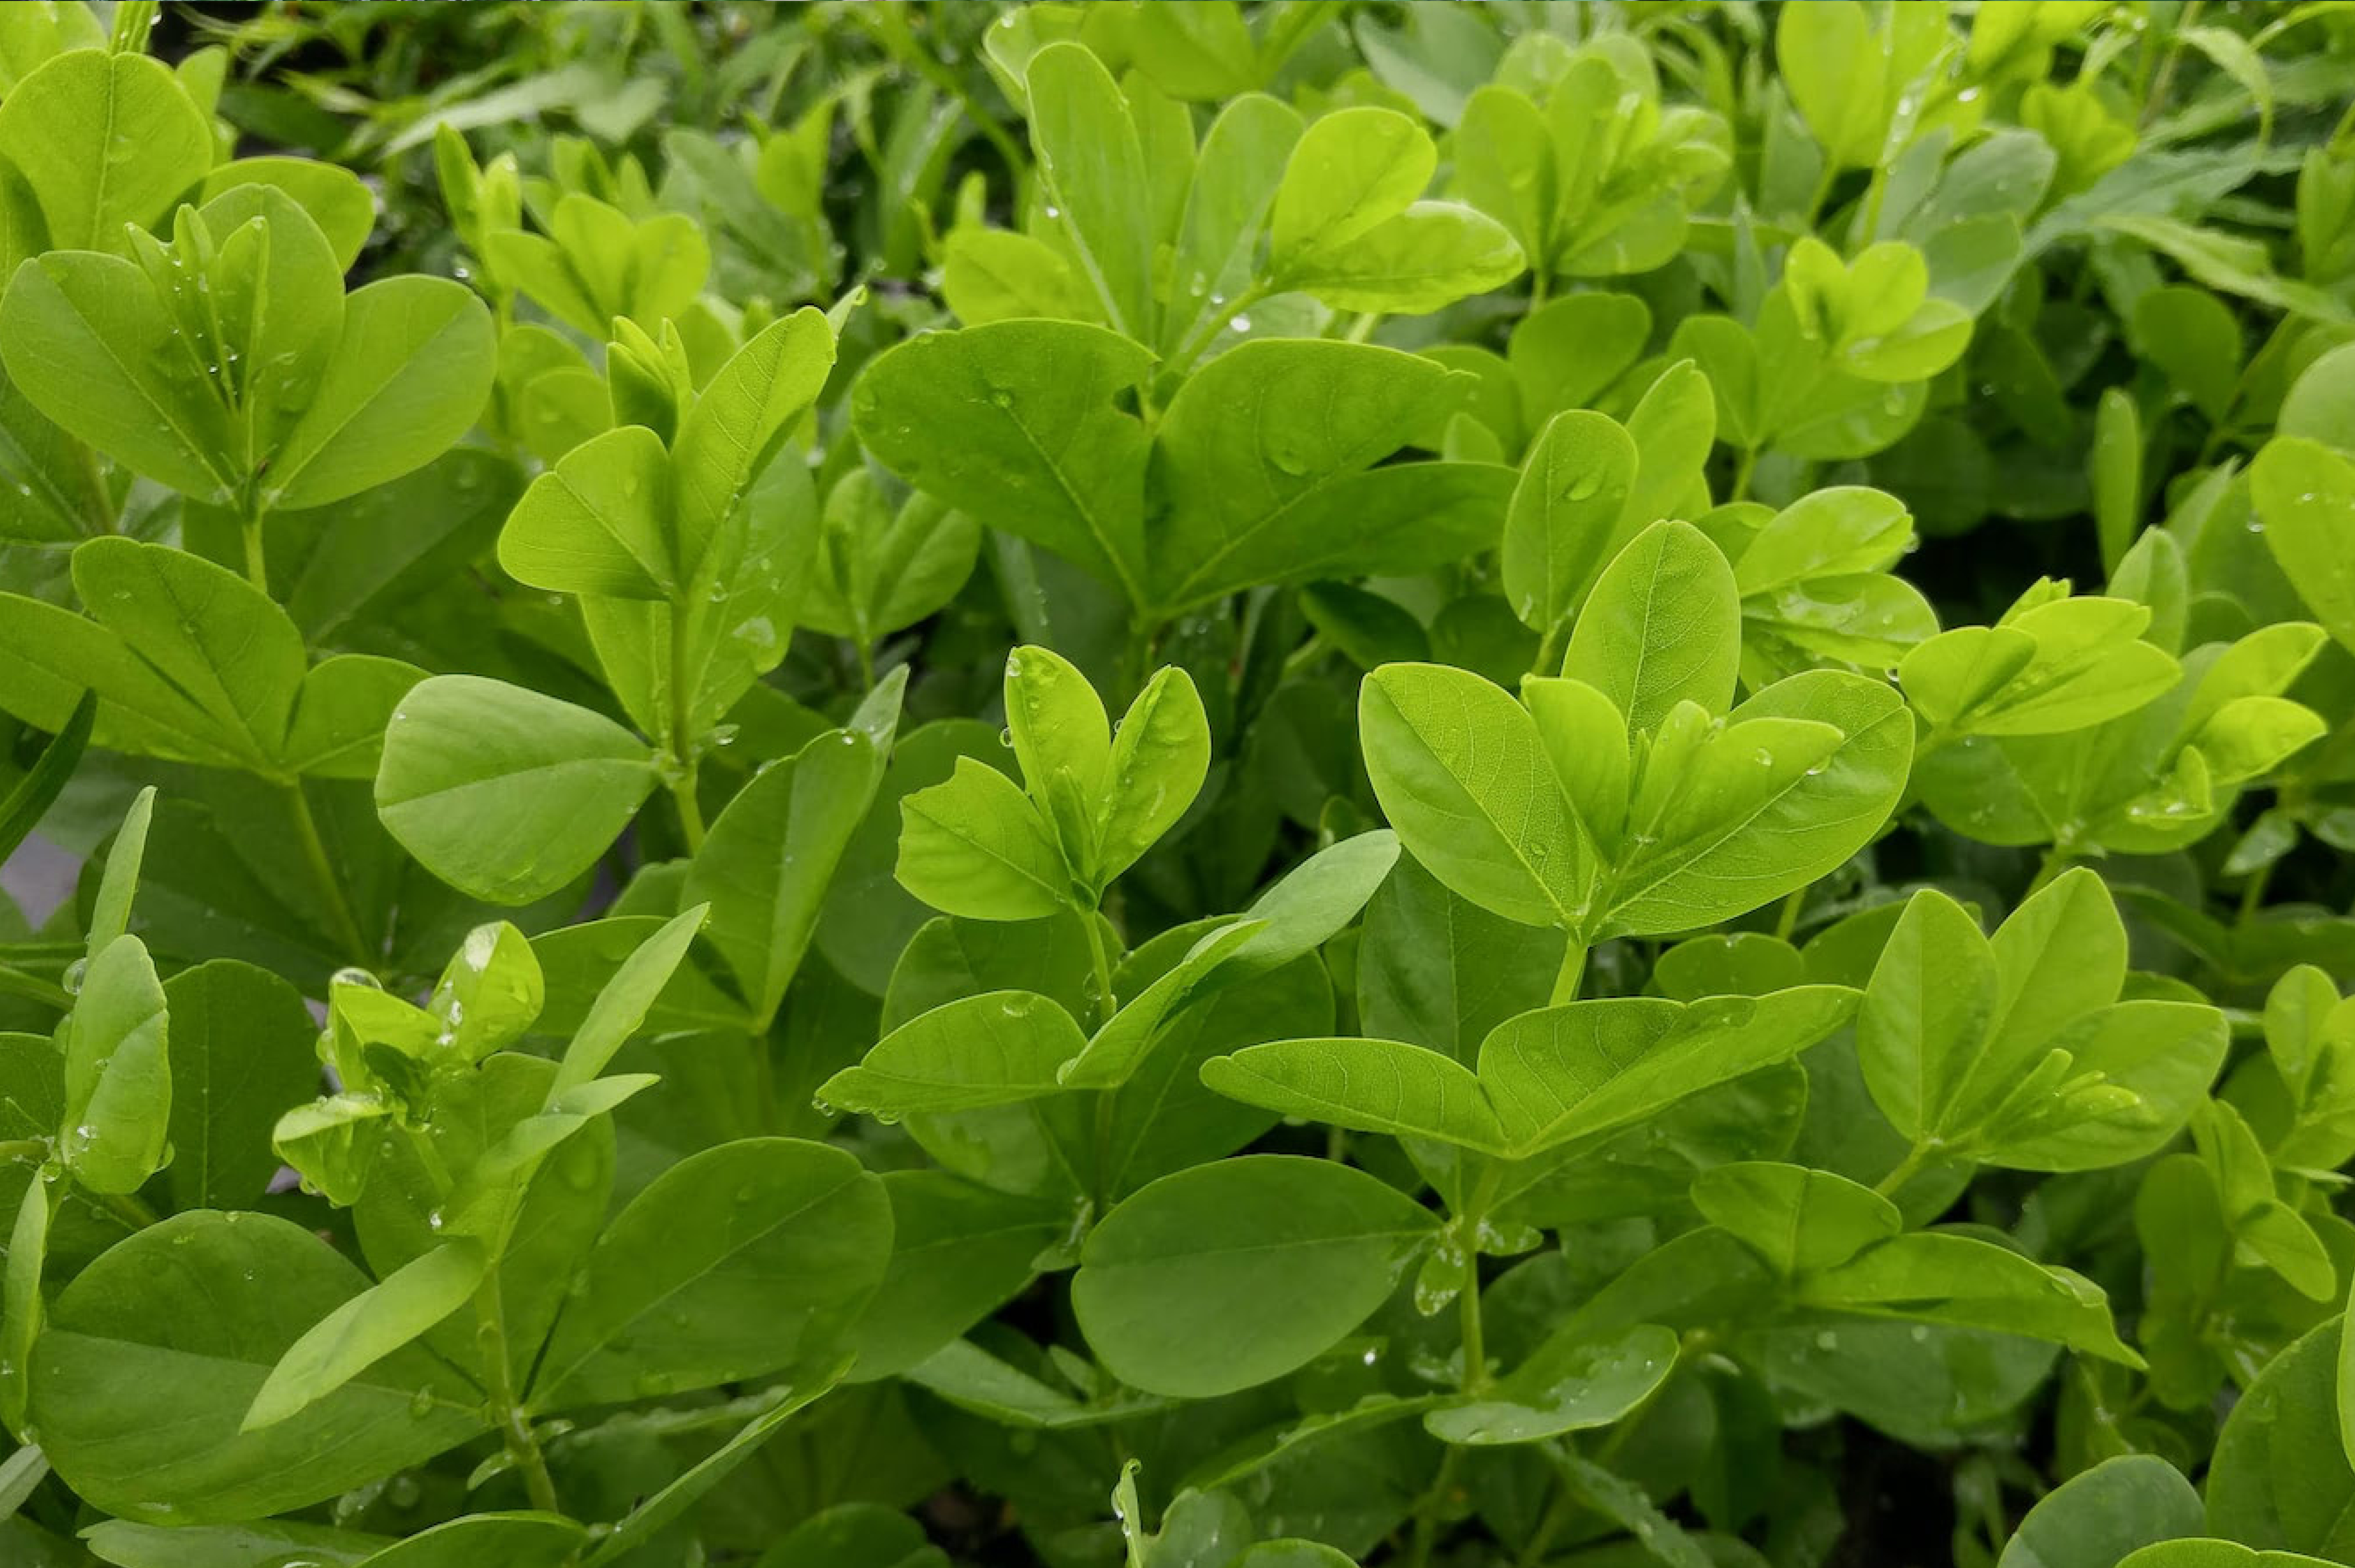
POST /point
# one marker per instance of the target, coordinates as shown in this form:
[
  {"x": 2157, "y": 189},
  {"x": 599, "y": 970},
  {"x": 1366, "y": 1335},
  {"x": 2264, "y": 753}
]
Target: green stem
[
  {"x": 682, "y": 744},
  {"x": 126, "y": 1207},
  {"x": 1572, "y": 974},
  {"x": 2158, "y": 89},
  {"x": 1916, "y": 1158},
  {"x": 35, "y": 1149},
  {"x": 1550, "y": 649},
  {"x": 1363, "y": 327},
  {"x": 1741, "y": 474},
  {"x": 257, "y": 561},
  {"x": 1106, "y": 1003},
  {"x": 1537, "y": 290},
  {"x": 16, "y": 982},
  {"x": 515, "y": 1426},
  {"x": 1427, "y": 1507},
  {"x": 323, "y": 874},
  {"x": 866, "y": 651},
  {"x": 2057, "y": 859},
  {"x": 1210, "y": 328},
  {"x": 1475, "y": 1376},
  {"x": 690, "y": 811},
  {"x": 1788, "y": 920},
  {"x": 2253, "y": 893}
]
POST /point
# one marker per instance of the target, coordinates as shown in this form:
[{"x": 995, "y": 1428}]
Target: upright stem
[
  {"x": 2057, "y": 859},
  {"x": 1568, "y": 978},
  {"x": 1106, "y": 1003},
  {"x": 515, "y": 1426},
  {"x": 1741, "y": 474},
  {"x": 2253, "y": 893},
  {"x": 257, "y": 561},
  {"x": 1107, "y": 1109},
  {"x": 1920, "y": 1155},
  {"x": 1550, "y": 649},
  {"x": 1468, "y": 1224},
  {"x": 1788, "y": 920},
  {"x": 322, "y": 872},
  {"x": 682, "y": 743}
]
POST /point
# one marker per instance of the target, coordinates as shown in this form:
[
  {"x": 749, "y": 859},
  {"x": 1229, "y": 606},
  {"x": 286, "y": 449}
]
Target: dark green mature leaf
[
  {"x": 1236, "y": 1272},
  {"x": 741, "y": 1260},
  {"x": 153, "y": 1352}
]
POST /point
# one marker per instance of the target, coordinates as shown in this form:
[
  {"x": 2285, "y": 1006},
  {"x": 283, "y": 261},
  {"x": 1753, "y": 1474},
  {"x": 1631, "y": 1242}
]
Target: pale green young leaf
[
  {"x": 410, "y": 373},
  {"x": 599, "y": 522},
  {"x": 118, "y": 883},
  {"x": 621, "y": 1007},
  {"x": 1352, "y": 170},
  {"x": 740, "y": 422},
  {"x": 1420, "y": 260},
  {"x": 103, "y": 140},
  {"x": 118, "y": 1107},
  {"x": 1925, "y": 1016},
  {"x": 504, "y": 793},
  {"x": 1095, "y": 172},
  {"x": 362, "y": 1332},
  {"x": 1662, "y": 626},
  {"x": 1783, "y": 838},
  {"x": 1116, "y": 1050},
  {"x": 2116, "y": 1513},
  {"x": 1798, "y": 1220},
  {"x": 336, "y": 199},
  {"x": 975, "y": 846},
  {"x": 1563, "y": 524},
  {"x": 1062, "y": 739},
  {"x": 1155, "y": 769},
  {"x": 1463, "y": 777}
]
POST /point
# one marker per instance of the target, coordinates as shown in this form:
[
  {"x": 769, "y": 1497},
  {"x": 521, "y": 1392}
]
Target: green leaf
[
  {"x": 1370, "y": 1085},
  {"x": 975, "y": 847},
  {"x": 1352, "y": 170},
  {"x": 1662, "y": 626},
  {"x": 738, "y": 423},
  {"x": 511, "y": 1540},
  {"x": 1267, "y": 459},
  {"x": 1093, "y": 171},
  {"x": 1016, "y": 425},
  {"x": 1585, "y": 1068},
  {"x": 29, "y": 800},
  {"x": 767, "y": 863},
  {"x": 737, "y": 1261},
  {"x": 118, "y": 1107},
  {"x": 154, "y": 1351},
  {"x": 2304, "y": 498},
  {"x": 1155, "y": 768},
  {"x": 242, "y": 1053},
  {"x": 362, "y": 1332},
  {"x": 1237, "y": 1272},
  {"x": 1798, "y": 1220},
  {"x": 1463, "y": 775},
  {"x": 1760, "y": 822},
  {"x": 2107, "y": 1515},
  {"x": 599, "y": 522},
  {"x": 2280, "y": 1479},
  {"x": 1927, "y": 1014},
  {"x": 1563, "y": 1388},
  {"x": 958, "y": 1252},
  {"x": 110, "y": 913},
  {"x": 1563, "y": 524},
  {"x": 408, "y": 377},
  {"x": 1420, "y": 260},
  {"x": 128, "y": 1545},
  {"x": 504, "y": 793},
  {"x": 998, "y": 1048},
  {"x": 1945, "y": 1278},
  {"x": 621, "y": 1007},
  {"x": 103, "y": 139}
]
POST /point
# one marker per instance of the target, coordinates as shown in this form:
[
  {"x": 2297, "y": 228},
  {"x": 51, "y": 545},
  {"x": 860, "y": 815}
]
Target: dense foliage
[{"x": 1710, "y": 931}]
